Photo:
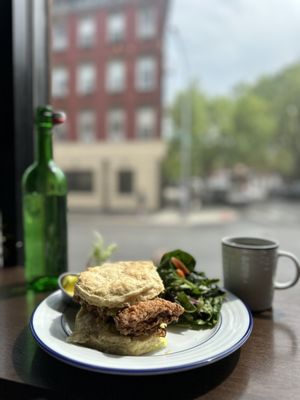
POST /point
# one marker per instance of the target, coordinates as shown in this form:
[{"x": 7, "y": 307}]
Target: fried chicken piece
[{"x": 146, "y": 317}]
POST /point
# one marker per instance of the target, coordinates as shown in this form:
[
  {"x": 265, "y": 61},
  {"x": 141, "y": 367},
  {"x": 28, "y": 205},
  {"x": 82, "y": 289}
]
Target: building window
[
  {"x": 145, "y": 73},
  {"x": 116, "y": 124},
  {"x": 116, "y": 27},
  {"x": 86, "y": 124},
  {"x": 146, "y": 22},
  {"x": 145, "y": 123},
  {"x": 125, "y": 182},
  {"x": 115, "y": 76},
  {"x": 86, "y": 79},
  {"x": 59, "y": 36},
  {"x": 80, "y": 181},
  {"x": 60, "y": 82},
  {"x": 61, "y": 132},
  {"x": 86, "y": 33}
]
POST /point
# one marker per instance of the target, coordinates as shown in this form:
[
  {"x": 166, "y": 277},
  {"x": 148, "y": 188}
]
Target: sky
[{"x": 220, "y": 43}]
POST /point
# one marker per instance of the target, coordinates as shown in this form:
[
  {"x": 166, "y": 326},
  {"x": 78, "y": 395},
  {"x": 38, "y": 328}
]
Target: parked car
[{"x": 290, "y": 190}]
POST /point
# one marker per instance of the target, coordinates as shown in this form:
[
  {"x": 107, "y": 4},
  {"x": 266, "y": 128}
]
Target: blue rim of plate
[{"x": 154, "y": 371}]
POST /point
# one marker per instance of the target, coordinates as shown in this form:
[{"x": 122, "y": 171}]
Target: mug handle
[{"x": 292, "y": 282}]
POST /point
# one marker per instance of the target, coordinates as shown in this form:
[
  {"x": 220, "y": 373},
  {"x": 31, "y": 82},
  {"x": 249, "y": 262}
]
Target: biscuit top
[{"x": 119, "y": 284}]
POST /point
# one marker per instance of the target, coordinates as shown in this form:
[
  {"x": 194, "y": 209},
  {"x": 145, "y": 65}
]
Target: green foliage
[
  {"x": 210, "y": 133},
  {"x": 282, "y": 92},
  {"x": 254, "y": 127},
  {"x": 171, "y": 164},
  {"x": 259, "y": 126}
]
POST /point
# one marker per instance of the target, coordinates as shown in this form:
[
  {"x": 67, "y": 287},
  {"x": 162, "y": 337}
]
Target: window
[
  {"x": 86, "y": 124},
  {"x": 115, "y": 78},
  {"x": 59, "y": 36},
  {"x": 145, "y": 123},
  {"x": 116, "y": 27},
  {"x": 61, "y": 131},
  {"x": 60, "y": 82},
  {"x": 116, "y": 124},
  {"x": 86, "y": 78},
  {"x": 146, "y": 22},
  {"x": 80, "y": 181},
  {"x": 125, "y": 182},
  {"x": 145, "y": 73},
  {"x": 86, "y": 33}
]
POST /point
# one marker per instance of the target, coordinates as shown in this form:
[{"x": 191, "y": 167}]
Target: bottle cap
[{"x": 58, "y": 117}]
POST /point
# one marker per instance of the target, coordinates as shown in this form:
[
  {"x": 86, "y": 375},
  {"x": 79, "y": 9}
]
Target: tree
[
  {"x": 282, "y": 91},
  {"x": 259, "y": 127},
  {"x": 254, "y": 127},
  {"x": 210, "y": 132},
  {"x": 190, "y": 101}
]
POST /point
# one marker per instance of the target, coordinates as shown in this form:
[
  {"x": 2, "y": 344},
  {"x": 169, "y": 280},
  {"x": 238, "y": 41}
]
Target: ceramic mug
[{"x": 249, "y": 267}]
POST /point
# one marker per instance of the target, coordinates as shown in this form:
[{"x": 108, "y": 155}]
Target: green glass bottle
[{"x": 44, "y": 209}]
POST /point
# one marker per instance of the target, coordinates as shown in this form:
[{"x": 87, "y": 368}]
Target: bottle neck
[{"x": 44, "y": 148}]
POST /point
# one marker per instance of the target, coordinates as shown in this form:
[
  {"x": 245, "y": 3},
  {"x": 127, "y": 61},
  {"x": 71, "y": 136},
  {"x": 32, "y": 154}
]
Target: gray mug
[{"x": 249, "y": 267}]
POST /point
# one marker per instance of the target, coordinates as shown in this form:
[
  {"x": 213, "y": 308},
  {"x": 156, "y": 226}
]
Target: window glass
[
  {"x": 59, "y": 36},
  {"x": 115, "y": 76},
  {"x": 60, "y": 81},
  {"x": 116, "y": 27},
  {"x": 116, "y": 124},
  {"x": 125, "y": 182},
  {"x": 145, "y": 123},
  {"x": 61, "y": 131},
  {"x": 79, "y": 181},
  {"x": 144, "y": 98},
  {"x": 145, "y": 73},
  {"x": 86, "y": 78},
  {"x": 146, "y": 24},
  {"x": 86, "y": 126},
  {"x": 86, "y": 33}
]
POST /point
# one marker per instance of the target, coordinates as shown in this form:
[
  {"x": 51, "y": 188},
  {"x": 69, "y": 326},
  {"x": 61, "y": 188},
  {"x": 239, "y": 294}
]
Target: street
[{"x": 200, "y": 233}]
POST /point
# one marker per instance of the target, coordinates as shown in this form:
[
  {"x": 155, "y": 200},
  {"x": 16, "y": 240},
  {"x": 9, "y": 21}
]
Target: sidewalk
[
  {"x": 171, "y": 217},
  {"x": 167, "y": 217}
]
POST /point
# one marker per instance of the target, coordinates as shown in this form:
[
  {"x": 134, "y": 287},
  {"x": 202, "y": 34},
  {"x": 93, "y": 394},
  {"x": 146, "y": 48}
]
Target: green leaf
[
  {"x": 200, "y": 296},
  {"x": 186, "y": 258}
]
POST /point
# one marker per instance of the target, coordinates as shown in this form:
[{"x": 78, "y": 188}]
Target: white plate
[{"x": 186, "y": 348}]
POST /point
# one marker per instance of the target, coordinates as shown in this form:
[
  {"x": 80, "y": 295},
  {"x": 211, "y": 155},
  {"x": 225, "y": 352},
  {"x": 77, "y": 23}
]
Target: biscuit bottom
[{"x": 91, "y": 332}]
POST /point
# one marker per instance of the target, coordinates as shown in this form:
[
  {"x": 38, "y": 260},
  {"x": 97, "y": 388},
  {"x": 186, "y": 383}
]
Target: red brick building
[
  {"x": 107, "y": 74},
  {"x": 107, "y": 56}
]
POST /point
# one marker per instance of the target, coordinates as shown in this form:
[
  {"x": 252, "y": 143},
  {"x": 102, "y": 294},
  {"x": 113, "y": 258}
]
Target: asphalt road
[{"x": 148, "y": 236}]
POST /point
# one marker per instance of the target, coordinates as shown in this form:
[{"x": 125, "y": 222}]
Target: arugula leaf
[{"x": 200, "y": 296}]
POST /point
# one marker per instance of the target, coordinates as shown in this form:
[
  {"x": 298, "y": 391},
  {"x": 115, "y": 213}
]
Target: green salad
[{"x": 200, "y": 296}]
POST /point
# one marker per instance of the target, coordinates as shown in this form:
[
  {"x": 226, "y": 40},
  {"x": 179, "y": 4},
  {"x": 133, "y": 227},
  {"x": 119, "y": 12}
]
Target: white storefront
[{"x": 113, "y": 177}]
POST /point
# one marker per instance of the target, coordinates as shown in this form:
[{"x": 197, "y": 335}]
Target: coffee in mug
[{"x": 249, "y": 267}]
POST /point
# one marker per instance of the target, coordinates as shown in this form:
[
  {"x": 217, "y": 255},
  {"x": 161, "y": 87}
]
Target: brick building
[{"x": 107, "y": 70}]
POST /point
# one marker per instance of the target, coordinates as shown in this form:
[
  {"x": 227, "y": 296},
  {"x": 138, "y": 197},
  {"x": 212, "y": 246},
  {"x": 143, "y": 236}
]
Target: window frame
[
  {"x": 111, "y": 37},
  {"x": 80, "y": 116},
  {"x": 60, "y": 23},
  {"x": 122, "y": 176},
  {"x": 111, "y": 137},
  {"x": 140, "y": 30},
  {"x": 80, "y": 88},
  {"x": 83, "y": 178},
  {"x": 110, "y": 82},
  {"x": 25, "y": 80},
  {"x": 138, "y": 111},
  {"x": 142, "y": 70},
  {"x": 65, "y": 85},
  {"x": 81, "y": 41}
]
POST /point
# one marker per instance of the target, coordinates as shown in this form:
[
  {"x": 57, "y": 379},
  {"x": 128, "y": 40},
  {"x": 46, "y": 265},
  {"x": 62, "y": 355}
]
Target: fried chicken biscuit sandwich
[{"x": 121, "y": 312}]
